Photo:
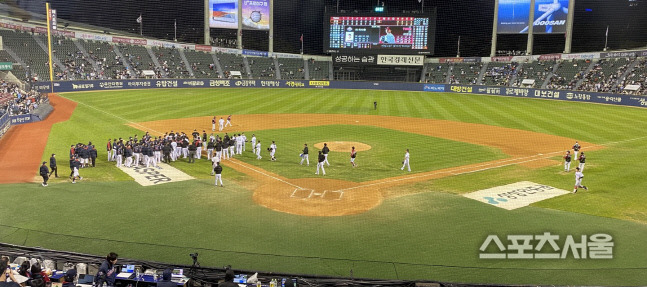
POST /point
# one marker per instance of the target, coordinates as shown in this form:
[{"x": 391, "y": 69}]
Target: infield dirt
[{"x": 21, "y": 149}]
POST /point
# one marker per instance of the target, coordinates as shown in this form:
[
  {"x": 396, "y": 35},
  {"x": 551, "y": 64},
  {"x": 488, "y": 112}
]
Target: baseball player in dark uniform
[
  {"x": 353, "y": 155},
  {"x": 93, "y": 155},
  {"x": 218, "y": 171},
  {"x": 325, "y": 152},
  {"x": 576, "y": 148},
  {"x": 567, "y": 161},
  {"x": 75, "y": 171},
  {"x": 582, "y": 160},
  {"x": 320, "y": 163},
  {"x": 52, "y": 165},
  {"x": 192, "y": 149},
  {"x": 44, "y": 172},
  {"x": 304, "y": 155}
]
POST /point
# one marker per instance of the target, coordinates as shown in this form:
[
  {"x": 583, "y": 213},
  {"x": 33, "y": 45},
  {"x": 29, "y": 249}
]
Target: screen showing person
[{"x": 387, "y": 36}]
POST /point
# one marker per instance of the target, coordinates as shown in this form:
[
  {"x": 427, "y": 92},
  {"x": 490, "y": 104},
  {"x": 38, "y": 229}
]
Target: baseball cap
[{"x": 44, "y": 162}]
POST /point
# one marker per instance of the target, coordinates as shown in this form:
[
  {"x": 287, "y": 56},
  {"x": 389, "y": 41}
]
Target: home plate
[
  {"x": 516, "y": 195},
  {"x": 147, "y": 176}
]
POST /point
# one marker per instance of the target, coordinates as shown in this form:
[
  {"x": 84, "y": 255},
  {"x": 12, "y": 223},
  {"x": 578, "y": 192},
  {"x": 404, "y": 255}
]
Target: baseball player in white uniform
[
  {"x": 239, "y": 144},
  {"x": 405, "y": 162},
  {"x": 213, "y": 124},
  {"x": 244, "y": 141},
  {"x": 272, "y": 151},
  {"x": 253, "y": 143},
  {"x": 578, "y": 180},
  {"x": 173, "y": 150},
  {"x": 221, "y": 124},
  {"x": 258, "y": 150}
]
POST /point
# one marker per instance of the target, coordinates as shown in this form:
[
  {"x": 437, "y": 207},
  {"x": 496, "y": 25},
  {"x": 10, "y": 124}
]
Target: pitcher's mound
[{"x": 344, "y": 146}]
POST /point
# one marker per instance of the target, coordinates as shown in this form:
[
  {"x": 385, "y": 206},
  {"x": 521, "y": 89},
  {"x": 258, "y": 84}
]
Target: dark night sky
[{"x": 471, "y": 19}]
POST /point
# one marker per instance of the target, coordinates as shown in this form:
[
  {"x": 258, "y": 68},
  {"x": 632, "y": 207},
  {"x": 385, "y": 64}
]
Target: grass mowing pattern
[{"x": 407, "y": 237}]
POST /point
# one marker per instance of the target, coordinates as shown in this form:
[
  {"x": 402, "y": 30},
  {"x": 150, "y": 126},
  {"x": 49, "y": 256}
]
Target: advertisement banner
[
  {"x": 256, "y": 14},
  {"x": 131, "y": 41},
  {"x": 433, "y": 88},
  {"x": 625, "y": 54},
  {"x": 340, "y": 60},
  {"x": 21, "y": 119},
  {"x": 106, "y": 85},
  {"x": 550, "y": 16},
  {"x": 255, "y": 53},
  {"x": 203, "y": 48},
  {"x": 6, "y": 66},
  {"x": 583, "y": 56},
  {"x": 550, "y": 57},
  {"x": 223, "y": 14},
  {"x": 96, "y": 37},
  {"x": 289, "y": 56},
  {"x": 501, "y": 59},
  {"x": 400, "y": 60}
]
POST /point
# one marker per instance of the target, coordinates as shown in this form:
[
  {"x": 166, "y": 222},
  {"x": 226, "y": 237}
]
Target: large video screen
[
  {"x": 224, "y": 14},
  {"x": 401, "y": 34},
  {"x": 550, "y": 16}
]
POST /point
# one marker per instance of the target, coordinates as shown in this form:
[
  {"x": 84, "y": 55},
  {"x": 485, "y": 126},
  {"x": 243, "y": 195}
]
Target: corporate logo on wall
[
  {"x": 516, "y": 195},
  {"x": 434, "y": 88},
  {"x": 319, "y": 84},
  {"x": 147, "y": 176},
  {"x": 295, "y": 84}
]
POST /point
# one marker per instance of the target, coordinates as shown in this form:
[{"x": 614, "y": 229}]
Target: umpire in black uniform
[
  {"x": 52, "y": 165},
  {"x": 44, "y": 172}
]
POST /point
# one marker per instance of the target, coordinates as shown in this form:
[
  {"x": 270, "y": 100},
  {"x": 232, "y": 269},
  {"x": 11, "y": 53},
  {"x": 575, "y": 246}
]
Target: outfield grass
[{"x": 433, "y": 233}]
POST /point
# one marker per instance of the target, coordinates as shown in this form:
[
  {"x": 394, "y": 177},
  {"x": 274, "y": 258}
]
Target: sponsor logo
[
  {"x": 578, "y": 96},
  {"x": 517, "y": 92},
  {"x": 21, "y": 119},
  {"x": 550, "y": 57},
  {"x": 245, "y": 83},
  {"x": 295, "y": 84},
  {"x": 82, "y": 86},
  {"x": 272, "y": 84},
  {"x": 319, "y": 83},
  {"x": 515, "y": 195},
  {"x": 152, "y": 176},
  {"x": 193, "y": 83},
  {"x": 203, "y": 48},
  {"x": 460, "y": 89},
  {"x": 434, "y": 88},
  {"x": 502, "y": 59},
  {"x": 219, "y": 83},
  {"x": 111, "y": 85},
  {"x": 550, "y": 23},
  {"x": 547, "y": 246}
]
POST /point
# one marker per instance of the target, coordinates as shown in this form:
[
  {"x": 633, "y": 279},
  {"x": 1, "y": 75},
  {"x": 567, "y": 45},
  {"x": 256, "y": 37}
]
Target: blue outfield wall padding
[{"x": 562, "y": 95}]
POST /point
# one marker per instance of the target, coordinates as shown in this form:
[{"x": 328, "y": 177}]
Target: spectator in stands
[
  {"x": 37, "y": 276},
  {"x": 6, "y": 273},
  {"x": 107, "y": 272},
  {"x": 69, "y": 278},
  {"x": 166, "y": 279},
  {"x": 229, "y": 279}
]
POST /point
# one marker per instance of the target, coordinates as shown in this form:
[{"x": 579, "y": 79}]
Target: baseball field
[{"x": 373, "y": 221}]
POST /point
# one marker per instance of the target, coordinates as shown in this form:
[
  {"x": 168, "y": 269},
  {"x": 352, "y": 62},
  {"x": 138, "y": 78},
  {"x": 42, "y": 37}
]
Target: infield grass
[{"x": 432, "y": 233}]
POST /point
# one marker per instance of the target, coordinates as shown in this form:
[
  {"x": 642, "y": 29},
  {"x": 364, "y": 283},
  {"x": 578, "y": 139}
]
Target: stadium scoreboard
[{"x": 401, "y": 34}]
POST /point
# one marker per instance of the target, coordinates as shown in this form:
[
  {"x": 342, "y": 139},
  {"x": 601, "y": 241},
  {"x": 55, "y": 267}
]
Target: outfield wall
[{"x": 576, "y": 96}]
